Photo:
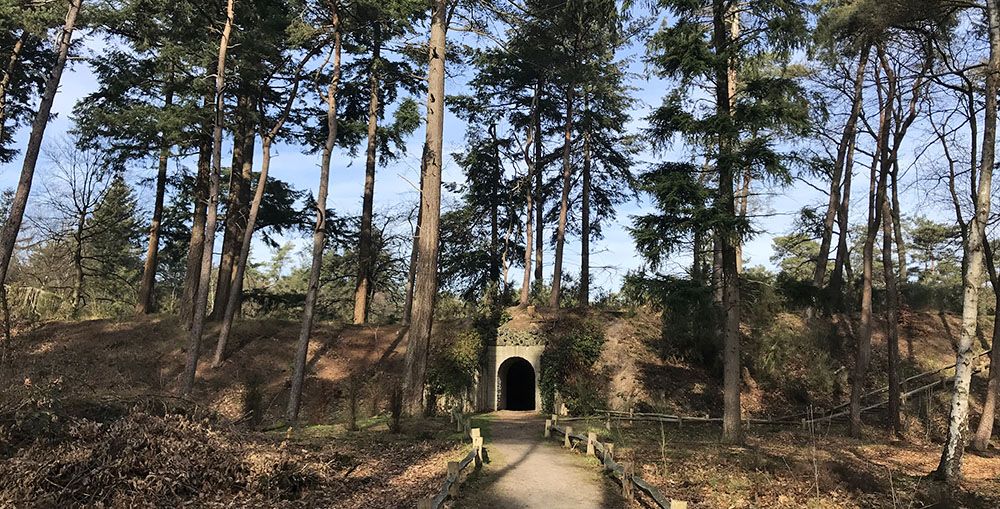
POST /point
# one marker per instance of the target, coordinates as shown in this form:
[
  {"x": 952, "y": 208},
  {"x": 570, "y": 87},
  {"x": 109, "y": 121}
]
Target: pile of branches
[{"x": 144, "y": 457}]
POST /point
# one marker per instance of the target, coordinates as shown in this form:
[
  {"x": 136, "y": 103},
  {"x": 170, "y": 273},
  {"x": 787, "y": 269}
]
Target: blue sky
[{"x": 611, "y": 257}]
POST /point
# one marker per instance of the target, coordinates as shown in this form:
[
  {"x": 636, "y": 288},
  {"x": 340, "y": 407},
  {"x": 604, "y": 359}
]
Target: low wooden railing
[
  {"x": 622, "y": 472},
  {"x": 449, "y": 488}
]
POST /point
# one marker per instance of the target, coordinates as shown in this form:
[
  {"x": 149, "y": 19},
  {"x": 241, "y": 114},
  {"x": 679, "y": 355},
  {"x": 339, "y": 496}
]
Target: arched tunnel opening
[{"x": 517, "y": 384}]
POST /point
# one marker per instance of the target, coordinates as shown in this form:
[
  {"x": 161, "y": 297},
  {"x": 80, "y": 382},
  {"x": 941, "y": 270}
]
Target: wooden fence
[
  {"x": 449, "y": 488},
  {"x": 803, "y": 419},
  {"x": 624, "y": 473}
]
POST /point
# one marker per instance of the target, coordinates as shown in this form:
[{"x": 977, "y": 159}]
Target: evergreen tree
[
  {"x": 112, "y": 253},
  {"x": 737, "y": 55},
  {"x": 25, "y": 59}
]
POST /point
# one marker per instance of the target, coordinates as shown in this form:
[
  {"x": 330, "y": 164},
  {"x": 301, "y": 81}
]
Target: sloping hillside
[
  {"x": 120, "y": 360},
  {"x": 792, "y": 363},
  {"x": 87, "y": 418}
]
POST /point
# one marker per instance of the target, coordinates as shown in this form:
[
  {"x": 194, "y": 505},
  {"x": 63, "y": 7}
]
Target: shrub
[
  {"x": 791, "y": 355},
  {"x": 454, "y": 361},
  {"x": 573, "y": 346}
]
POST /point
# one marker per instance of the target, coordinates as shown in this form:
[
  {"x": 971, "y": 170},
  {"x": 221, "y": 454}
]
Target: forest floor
[
  {"x": 526, "y": 471},
  {"x": 791, "y": 468},
  {"x": 88, "y": 418}
]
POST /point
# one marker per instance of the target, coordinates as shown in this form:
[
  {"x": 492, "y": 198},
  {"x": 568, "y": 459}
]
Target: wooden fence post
[
  {"x": 627, "y": 482},
  {"x": 567, "y": 443},
  {"x": 678, "y": 504},
  {"x": 477, "y": 445},
  {"x": 453, "y": 475},
  {"x": 475, "y": 433},
  {"x": 548, "y": 428},
  {"x": 591, "y": 439},
  {"x": 609, "y": 452}
]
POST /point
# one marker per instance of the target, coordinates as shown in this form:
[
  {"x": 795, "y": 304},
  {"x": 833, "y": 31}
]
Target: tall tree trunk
[
  {"x": 985, "y": 429},
  {"x": 534, "y": 141},
  {"x": 412, "y": 268},
  {"x": 494, "y": 270},
  {"x": 897, "y": 229},
  {"x": 585, "y": 217},
  {"x": 196, "y": 245},
  {"x": 567, "y": 180},
  {"x": 425, "y": 283},
  {"x": 743, "y": 202},
  {"x": 15, "y": 55},
  {"x": 732, "y": 432},
  {"x": 868, "y": 271},
  {"x": 11, "y": 227},
  {"x": 697, "y": 245},
  {"x": 238, "y": 202},
  {"x": 366, "y": 253},
  {"x": 201, "y": 299},
  {"x": 319, "y": 232},
  {"x": 539, "y": 189},
  {"x": 743, "y": 195},
  {"x": 837, "y": 278},
  {"x": 81, "y": 222},
  {"x": 886, "y": 161},
  {"x": 840, "y": 181},
  {"x": 235, "y": 292},
  {"x": 146, "y": 302},
  {"x": 950, "y": 467},
  {"x": 892, "y": 315}
]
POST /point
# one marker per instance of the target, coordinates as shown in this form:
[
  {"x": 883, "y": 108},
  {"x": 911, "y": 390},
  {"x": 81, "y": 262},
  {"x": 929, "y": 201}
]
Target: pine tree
[
  {"x": 383, "y": 64},
  {"x": 12, "y": 226},
  {"x": 740, "y": 54}
]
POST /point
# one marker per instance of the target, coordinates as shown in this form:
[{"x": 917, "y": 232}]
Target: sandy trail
[{"x": 527, "y": 471}]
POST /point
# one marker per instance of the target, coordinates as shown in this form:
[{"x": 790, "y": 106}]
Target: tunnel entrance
[{"x": 517, "y": 384}]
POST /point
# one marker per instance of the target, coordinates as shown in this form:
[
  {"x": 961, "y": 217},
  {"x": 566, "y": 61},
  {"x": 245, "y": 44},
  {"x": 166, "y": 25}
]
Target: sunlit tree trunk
[
  {"x": 532, "y": 163},
  {"x": 950, "y": 467},
  {"x": 567, "y": 180},
  {"x": 196, "y": 245},
  {"x": 11, "y": 228},
  {"x": 147, "y": 286},
  {"x": 897, "y": 229},
  {"x": 985, "y": 429},
  {"x": 886, "y": 160},
  {"x": 412, "y": 269},
  {"x": 892, "y": 316},
  {"x": 81, "y": 222},
  {"x": 840, "y": 180},
  {"x": 236, "y": 290},
  {"x": 201, "y": 299},
  {"x": 539, "y": 198},
  {"x": 425, "y": 276},
  {"x": 238, "y": 202},
  {"x": 365, "y": 248},
  {"x": 868, "y": 271},
  {"x": 585, "y": 220},
  {"x": 732, "y": 432},
  {"x": 494, "y": 270},
  {"x": 319, "y": 232}
]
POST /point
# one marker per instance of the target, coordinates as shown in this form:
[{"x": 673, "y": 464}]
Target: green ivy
[
  {"x": 453, "y": 366},
  {"x": 573, "y": 346}
]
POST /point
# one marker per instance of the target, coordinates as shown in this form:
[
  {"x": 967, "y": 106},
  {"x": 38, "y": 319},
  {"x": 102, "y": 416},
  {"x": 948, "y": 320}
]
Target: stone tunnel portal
[{"x": 517, "y": 384}]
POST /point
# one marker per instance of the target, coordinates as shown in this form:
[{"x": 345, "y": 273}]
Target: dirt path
[{"x": 526, "y": 471}]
